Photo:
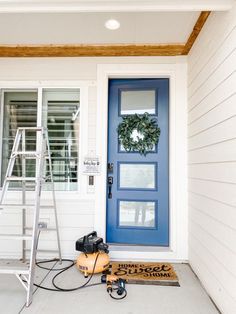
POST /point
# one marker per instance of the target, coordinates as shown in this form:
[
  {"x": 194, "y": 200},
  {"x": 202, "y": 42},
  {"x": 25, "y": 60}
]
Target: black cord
[
  {"x": 79, "y": 287},
  {"x": 120, "y": 298},
  {"x": 57, "y": 290},
  {"x": 122, "y": 290},
  {"x": 63, "y": 269},
  {"x": 55, "y": 260}
]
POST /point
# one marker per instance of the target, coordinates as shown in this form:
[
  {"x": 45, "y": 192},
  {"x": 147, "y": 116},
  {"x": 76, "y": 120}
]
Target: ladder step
[
  {"x": 15, "y": 237},
  {"x": 12, "y": 270},
  {"x": 31, "y": 153},
  {"x": 16, "y": 206},
  {"x": 47, "y": 206},
  {"x": 14, "y": 267},
  {"x": 21, "y": 206},
  {"x": 41, "y": 229},
  {"x": 32, "y": 128},
  {"x": 15, "y": 178},
  {"x": 30, "y": 156},
  {"x": 42, "y": 251}
]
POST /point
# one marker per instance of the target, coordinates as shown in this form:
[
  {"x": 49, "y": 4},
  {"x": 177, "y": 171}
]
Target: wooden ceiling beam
[
  {"x": 91, "y": 50},
  {"x": 196, "y": 31}
]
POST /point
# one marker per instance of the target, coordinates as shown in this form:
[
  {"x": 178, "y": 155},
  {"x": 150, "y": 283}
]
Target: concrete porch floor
[{"x": 189, "y": 298}]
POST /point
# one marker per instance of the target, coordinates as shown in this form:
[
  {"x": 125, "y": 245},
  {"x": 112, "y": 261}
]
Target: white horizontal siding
[
  {"x": 215, "y": 115},
  {"x": 224, "y": 151},
  {"x": 217, "y": 190},
  {"x": 221, "y": 74},
  {"x": 217, "y": 263},
  {"x": 212, "y": 37},
  {"x": 75, "y": 218},
  {"x": 201, "y": 264},
  {"x": 215, "y": 96},
  {"x": 219, "y": 133},
  {"x": 212, "y": 230},
  {"x": 212, "y": 158},
  {"x": 220, "y": 172},
  {"x": 216, "y": 64},
  {"x": 213, "y": 208}
]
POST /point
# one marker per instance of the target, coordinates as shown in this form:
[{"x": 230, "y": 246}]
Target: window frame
[{"x": 39, "y": 87}]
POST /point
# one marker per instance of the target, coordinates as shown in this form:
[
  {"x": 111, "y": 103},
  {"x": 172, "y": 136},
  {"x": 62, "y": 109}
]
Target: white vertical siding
[{"x": 212, "y": 158}]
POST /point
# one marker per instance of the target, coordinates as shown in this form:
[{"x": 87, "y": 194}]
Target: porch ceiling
[
  {"x": 151, "y": 28},
  {"x": 88, "y": 28}
]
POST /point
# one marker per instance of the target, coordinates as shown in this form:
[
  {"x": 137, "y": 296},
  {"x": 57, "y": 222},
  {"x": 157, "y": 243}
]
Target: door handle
[
  {"x": 109, "y": 192},
  {"x": 110, "y": 182}
]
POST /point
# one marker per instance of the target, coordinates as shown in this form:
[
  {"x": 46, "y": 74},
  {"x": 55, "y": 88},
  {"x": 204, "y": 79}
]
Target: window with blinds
[
  {"x": 19, "y": 110},
  {"x": 60, "y": 113}
]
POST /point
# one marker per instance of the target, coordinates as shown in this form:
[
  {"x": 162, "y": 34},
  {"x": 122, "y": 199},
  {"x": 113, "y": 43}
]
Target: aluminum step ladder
[{"x": 42, "y": 153}]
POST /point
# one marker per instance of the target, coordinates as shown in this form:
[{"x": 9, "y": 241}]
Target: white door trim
[{"x": 177, "y": 73}]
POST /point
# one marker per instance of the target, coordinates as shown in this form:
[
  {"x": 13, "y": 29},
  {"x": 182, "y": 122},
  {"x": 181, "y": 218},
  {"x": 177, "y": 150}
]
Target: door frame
[{"x": 178, "y": 228}]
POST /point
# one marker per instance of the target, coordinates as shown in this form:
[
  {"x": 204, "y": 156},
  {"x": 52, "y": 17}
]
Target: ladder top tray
[{"x": 13, "y": 267}]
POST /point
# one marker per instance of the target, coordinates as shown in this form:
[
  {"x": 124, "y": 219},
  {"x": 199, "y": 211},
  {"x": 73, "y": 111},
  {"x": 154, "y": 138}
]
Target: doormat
[{"x": 162, "y": 274}]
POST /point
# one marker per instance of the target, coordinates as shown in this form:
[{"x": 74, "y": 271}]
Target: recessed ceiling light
[{"x": 112, "y": 24}]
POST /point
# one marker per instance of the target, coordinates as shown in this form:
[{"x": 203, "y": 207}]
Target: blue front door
[{"x": 138, "y": 185}]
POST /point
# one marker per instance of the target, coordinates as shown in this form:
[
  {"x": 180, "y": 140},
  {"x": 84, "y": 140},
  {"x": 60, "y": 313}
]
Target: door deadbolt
[
  {"x": 110, "y": 167},
  {"x": 110, "y": 180}
]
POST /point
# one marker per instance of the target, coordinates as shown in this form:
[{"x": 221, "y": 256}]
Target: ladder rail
[
  {"x": 54, "y": 197},
  {"x": 10, "y": 165},
  {"x": 23, "y": 196},
  {"x": 35, "y": 233}
]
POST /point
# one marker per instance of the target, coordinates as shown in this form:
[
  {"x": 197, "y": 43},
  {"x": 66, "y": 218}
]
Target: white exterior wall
[
  {"x": 77, "y": 210},
  {"x": 212, "y": 158}
]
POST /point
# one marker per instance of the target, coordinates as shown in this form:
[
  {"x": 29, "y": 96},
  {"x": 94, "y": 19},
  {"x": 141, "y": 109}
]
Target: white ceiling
[
  {"x": 88, "y": 28},
  {"x": 36, "y": 22},
  {"x": 112, "y": 5}
]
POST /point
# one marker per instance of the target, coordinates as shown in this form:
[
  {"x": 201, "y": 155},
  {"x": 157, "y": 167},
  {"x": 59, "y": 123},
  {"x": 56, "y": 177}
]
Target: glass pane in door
[
  {"x": 137, "y": 214},
  {"x": 137, "y": 176},
  {"x": 137, "y": 101}
]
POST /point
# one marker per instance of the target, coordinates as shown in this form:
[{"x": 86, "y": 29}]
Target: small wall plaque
[{"x": 91, "y": 165}]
